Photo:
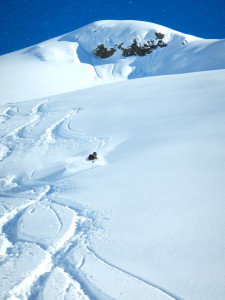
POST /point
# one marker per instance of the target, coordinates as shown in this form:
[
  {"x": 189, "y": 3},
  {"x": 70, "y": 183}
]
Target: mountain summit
[
  {"x": 104, "y": 52},
  {"x": 146, "y": 219}
]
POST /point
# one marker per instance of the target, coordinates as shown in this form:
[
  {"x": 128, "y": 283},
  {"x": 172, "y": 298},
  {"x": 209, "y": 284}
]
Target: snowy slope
[
  {"x": 68, "y": 63},
  {"x": 145, "y": 221}
]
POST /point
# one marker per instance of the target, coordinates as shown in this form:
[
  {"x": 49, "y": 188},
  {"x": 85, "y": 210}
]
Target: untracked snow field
[{"x": 145, "y": 221}]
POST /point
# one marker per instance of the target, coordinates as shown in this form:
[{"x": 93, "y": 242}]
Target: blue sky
[{"x": 27, "y": 22}]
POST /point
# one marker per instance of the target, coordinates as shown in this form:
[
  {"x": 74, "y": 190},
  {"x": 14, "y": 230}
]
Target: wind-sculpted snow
[
  {"x": 104, "y": 52},
  {"x": 143, "y": 221}
]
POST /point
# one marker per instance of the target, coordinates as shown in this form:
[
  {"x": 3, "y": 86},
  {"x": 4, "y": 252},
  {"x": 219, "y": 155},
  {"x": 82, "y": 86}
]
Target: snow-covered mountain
[
  {"x": 146, "y": 220},
  {"x": 105, "y": 52}
]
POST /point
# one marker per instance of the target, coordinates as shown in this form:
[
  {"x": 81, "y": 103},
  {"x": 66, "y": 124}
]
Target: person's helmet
[{"x": 94, "y": 153}]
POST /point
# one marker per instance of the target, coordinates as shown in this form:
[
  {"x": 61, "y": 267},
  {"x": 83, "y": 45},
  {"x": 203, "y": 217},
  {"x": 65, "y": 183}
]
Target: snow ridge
[
  {"x": 105, "y": 52},
  {"x": 164, "y": 218}
]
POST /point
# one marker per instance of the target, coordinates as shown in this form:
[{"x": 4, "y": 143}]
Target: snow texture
[
  {"x": 67, "y": 63},
  {"x": 145, "y": 220}
]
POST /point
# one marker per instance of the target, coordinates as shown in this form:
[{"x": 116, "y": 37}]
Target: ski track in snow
[{"x": 42, "y": 257}]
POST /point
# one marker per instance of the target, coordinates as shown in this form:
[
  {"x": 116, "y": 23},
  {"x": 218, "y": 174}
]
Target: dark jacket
[{"x": 92, "y": 157}]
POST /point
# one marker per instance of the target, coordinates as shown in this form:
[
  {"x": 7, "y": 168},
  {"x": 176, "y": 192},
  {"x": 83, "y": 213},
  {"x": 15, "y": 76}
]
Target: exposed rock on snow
[
  {"x": 128, "y": 50},
  {"x": 139, "y": 49},
  {"x": 146, "y": 219},
  {"x": 102, "y": 52}
]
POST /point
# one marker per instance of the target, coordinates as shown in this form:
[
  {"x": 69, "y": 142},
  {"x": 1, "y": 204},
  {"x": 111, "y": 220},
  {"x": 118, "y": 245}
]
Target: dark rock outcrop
[
  {"x": 135, "y": 49},
  {"x": 102, "y": 51}
]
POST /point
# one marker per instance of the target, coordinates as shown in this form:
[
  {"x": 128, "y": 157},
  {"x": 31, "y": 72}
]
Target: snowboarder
[{"x": 92, "y": 156}]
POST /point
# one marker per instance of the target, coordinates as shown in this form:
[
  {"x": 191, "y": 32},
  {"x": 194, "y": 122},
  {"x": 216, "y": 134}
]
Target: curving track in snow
[{"x": 44, "y": 238}]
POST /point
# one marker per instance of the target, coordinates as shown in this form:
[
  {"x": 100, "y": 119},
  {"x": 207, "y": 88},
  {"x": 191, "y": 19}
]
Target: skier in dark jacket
[{"x": 92, "y": 156}]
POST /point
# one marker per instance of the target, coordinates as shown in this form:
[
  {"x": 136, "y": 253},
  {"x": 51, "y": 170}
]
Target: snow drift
[
  {"x": 144, "y": 221},
  {"x": 69, "y": 62}
]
